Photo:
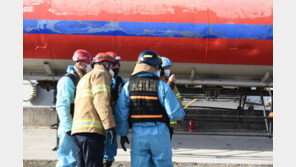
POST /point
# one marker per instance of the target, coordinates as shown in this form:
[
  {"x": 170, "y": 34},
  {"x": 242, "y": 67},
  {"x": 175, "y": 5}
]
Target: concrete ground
[{"x": 194, "y": 150}]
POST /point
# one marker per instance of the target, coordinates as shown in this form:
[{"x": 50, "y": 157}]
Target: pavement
[{"x": 187, "y": 148}]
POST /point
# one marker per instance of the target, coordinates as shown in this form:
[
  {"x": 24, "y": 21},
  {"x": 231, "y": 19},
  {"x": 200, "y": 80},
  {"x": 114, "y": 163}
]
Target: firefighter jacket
[
  {"x": 174, "y": 88},
  {"x": 93, "y": 113}
]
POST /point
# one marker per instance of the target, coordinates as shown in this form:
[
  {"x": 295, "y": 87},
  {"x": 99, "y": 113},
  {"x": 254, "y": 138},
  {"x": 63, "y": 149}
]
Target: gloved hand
[
  {"x": 123, "y": 140},
  {"x": 69, "y": 133},
  {"x": 172, "y": 78},
  {"x": 112, "y": 134}
]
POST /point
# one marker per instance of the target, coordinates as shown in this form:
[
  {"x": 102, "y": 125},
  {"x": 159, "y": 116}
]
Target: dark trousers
[
  {"x": 171, "y": 132},
  {"x": 89, "y": 149}
]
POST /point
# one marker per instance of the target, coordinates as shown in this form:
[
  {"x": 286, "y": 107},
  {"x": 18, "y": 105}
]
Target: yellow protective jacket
[
  {"x": 176, "y": 92},
  {"x": 93, "y": 113}
]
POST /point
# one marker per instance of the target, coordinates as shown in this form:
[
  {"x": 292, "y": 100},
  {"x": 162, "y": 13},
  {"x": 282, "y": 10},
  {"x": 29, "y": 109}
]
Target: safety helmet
[
  {"x": 100, "y": 57},
  {"x": 149, "y": 57},
  {"x": 166, "y": 62},
  {"x": 115, "y": 56},
  {"x": 82, "y": 55}
]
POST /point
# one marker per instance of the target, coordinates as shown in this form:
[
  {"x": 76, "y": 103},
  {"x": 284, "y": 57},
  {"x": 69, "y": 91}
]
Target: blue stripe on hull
[{"x": 148, "y": 29}]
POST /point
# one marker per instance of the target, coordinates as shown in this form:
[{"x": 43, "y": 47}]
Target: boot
[{"x": 108, "y": 163}]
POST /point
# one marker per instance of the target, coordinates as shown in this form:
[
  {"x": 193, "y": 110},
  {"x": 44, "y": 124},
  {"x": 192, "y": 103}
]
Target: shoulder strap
[
  {"x": 116, "y": 90},
  {"x": 118, "y": 80},
  {"x": 75, "y": 78}
]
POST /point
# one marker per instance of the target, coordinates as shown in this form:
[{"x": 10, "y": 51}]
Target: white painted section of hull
[{"x": 205, "y": 74}]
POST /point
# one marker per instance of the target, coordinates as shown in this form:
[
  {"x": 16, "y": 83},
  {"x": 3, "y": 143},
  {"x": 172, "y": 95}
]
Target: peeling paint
[
  {"x": 212, "y": 34},
  {"x": 234, "y": 8},
  {"x": 182, "y": 30},
  {"x": 109, "y": 26},
  {"x": 28, "y": 8},
  {"x": 199, "y": 11},
  {"x": 43, "y": 25},
  {"x": 34, "y": 2}
]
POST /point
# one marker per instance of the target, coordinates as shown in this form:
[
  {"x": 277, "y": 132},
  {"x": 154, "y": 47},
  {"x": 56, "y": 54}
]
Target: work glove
[
  {"x": 123, "y": 140},
  {"x": 112, "y": 134},
  {"x": 172, "y": 78},
  {"x": 69, "y": 133}
]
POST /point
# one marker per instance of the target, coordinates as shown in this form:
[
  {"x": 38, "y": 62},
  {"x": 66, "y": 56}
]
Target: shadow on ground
[{"x": 46, "y": 163}]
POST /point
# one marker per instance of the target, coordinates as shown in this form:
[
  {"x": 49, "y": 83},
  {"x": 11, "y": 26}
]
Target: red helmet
[
  {"x": 82, "y": 55},
  {"x": 103, "y": 56},
  {"x": 114, "y": 55}
]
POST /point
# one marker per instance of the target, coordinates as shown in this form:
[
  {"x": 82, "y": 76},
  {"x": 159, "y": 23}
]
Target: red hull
[{"x": 197, "y": 50}]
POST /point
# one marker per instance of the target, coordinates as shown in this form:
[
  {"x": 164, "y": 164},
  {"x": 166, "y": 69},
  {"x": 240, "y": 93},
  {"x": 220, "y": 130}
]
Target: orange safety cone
[{"x": 191, "y": 125}]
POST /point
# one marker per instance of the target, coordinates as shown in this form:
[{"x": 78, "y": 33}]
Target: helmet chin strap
[
  {"x": 161, "y": 72},
  {"x": 80, "y": 68},
  {"x": 116, "y": 71},
  {"x": 107, "y": 68}
]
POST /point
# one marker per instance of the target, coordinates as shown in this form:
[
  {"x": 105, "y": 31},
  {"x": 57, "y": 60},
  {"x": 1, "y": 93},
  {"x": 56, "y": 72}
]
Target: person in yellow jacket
[
  {"x": 170, "y": 79},
  {"x": 93, "y": 113}
]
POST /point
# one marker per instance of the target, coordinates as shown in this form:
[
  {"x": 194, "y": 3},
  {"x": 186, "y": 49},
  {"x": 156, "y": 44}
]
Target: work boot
[{"x": 108, "y": 163}]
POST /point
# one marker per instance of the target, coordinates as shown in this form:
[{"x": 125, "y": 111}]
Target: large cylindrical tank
[{"x": 218, "y": 42}]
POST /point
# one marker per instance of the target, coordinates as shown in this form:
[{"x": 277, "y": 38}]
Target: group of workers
[{"x": 106, "y": 106}]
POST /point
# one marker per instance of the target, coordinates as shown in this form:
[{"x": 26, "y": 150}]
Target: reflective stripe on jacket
[
  {"x": 144, "y": 103},
  {"x": 165, "y": 96}
]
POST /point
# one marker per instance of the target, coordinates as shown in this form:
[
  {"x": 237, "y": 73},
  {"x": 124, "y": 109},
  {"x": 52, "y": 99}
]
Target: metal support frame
[
  {"x": 238, "y": 115},
  {"x": 264, "y": 112},
  {"x": 48, "y": 69},
  {"x": 271, "y": 95},
  {"x": 244, "y": 101},
  {"x": 265, "y": 77},
  {"x": 192, "y": 74},
  {"x": 268, "y": 121},
  {"x": 270, "y": 131},
  {"x": 211, "y": 92},
  {"x": 240, "y": 102},
  {"x": 270, "y": 127},
  {"x": 56, "y": 125}
]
